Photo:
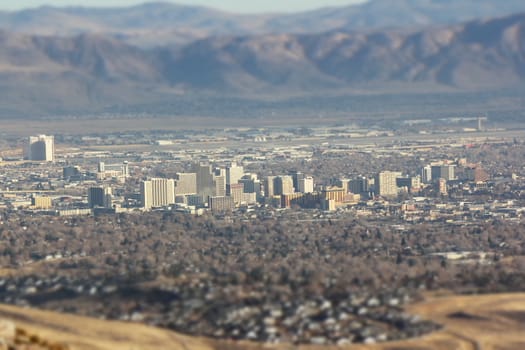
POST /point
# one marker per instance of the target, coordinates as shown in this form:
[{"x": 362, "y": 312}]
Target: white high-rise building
[
  {"x": 157, "y": 192},
  {"x": 426, "y": 174},
  {"x": 125, "y": 169},
  {"x": 41, "y": 148},
  {"x": 386, "y": 183},
  {"x": 306, "y": 185},
  {"x": 234, "y": 173},
  {"x": 185, "y": 183}
]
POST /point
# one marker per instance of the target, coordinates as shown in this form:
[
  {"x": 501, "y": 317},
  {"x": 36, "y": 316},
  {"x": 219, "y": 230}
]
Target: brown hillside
[{"x": 489, "y": 322}]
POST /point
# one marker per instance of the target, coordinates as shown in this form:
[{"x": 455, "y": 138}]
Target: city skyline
[{"x": 237, "y": 6}]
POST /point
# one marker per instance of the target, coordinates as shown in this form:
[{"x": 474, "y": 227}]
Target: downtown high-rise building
[
  {"x": 237, "y": 193},
  {"x": 157, "y": 192},
  {"x": 283, "y": 185},
  {"x": 251, "y": 183},
  {"x": 443, "y": 171},
  {"x": 234, "y": 173},
  {"x": 41, "y": 148},
  {"x": 205, "y": 183},
  {"x": 219, "y": 184},
  {"x": 185, "y": 184},
  {"x": 359, "y": 185},
  {"x": 448, "y": 172},
  {"x": 306, "y": 184},
  {"x": 296, "y": 177},
  {"x": 269, "y": 188},
  {"x": 426, "y": 174},
  {"x": 100, "y": 197},
  {"x": 210, "y": 181},
  {"x": 386, "y": 183},
  {"x": 125, "y": 169}
]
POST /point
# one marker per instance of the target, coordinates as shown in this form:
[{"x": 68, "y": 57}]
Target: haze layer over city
[{"x": 291, "y": 175}]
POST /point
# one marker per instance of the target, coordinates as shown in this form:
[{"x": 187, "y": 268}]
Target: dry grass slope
[{"x": 488, "y": 322}]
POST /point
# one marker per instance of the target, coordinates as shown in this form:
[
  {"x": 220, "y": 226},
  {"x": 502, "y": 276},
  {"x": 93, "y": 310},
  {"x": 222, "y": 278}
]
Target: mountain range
[
  {"x": 93, "y": 72},
  {"x": 162, "y": 23}
]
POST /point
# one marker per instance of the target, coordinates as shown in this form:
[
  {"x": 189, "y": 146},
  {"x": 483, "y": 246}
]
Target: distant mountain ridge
[
  {"x": 91, "y": 72},
  {"x": 487, "y": 53},
  {"x": 161, "y": 23}
]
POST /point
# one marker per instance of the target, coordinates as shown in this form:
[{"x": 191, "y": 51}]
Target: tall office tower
[
  {"x": 426, "y": 174},
  {"x": 386, "y": 184},
  {"x": 100, "y": 197},
  {"x": 234, "y": 173},
  {"x": 283, "y": 185},
  {"x": 251, "y": 184},
  {"x": 125, "y": 169},
  {"x": 41, "y": 148},
  {"x": 269, "y": 188},
  {"x": 157, "y": 192},
  {"x": 205, "y": 184},
  {"x": 146, "y": 195},
  {"x": 219, "y": 184},
  {"x": 448, "y": 172},
  {"x": 306, "y": 185},
  {"x": 436, "y": 172},
  {"x": 359, "y": 185},
  {"x": 443, "y": 171},
  {"x": 101, "y": 167},
  {"x": 237, "y": 192},
  {"x": 185, "y": 183},
  {"x": 296, "y": 177}
]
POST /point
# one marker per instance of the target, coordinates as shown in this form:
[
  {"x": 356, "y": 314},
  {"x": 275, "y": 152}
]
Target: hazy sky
[{"x": 228, "y": 5}]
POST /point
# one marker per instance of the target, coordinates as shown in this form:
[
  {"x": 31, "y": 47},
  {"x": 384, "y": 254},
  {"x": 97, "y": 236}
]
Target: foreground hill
[
  {"x": 91, "y": 73},
  {"x": 469, "y": 322},
  {"x": 161, "y": 23}
]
